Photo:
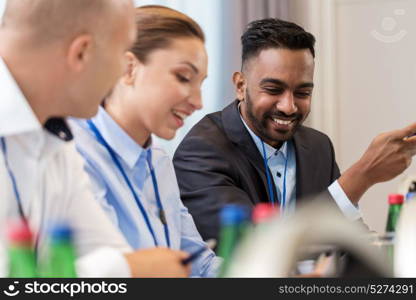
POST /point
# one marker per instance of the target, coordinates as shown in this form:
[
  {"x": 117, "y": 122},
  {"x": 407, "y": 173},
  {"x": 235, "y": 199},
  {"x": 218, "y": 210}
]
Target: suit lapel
[
  {"x": 238, "y": 134},
  {"x": 304, "y": 162}
]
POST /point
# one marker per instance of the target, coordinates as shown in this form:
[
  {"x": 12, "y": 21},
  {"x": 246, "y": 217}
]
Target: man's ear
[
  {"x": 132, "y": 65},
  {"x": 240, "y": 85},
  {"x": 80, "y": 52}
]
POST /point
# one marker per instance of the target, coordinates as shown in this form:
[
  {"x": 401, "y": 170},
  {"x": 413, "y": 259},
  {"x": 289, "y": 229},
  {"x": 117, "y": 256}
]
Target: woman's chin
[{"x": 168, "y": 135}]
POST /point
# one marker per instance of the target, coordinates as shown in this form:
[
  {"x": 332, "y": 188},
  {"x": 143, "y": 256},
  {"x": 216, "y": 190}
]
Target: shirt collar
[
  {"x": 121, "y": 143},
  {"x": 16, "y": 115},
  {"x": 270, "y": 151},
  {"x": 59, "y": 128}
]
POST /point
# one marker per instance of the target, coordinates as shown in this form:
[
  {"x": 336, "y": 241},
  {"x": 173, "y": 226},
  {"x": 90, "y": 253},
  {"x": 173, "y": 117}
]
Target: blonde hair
[{"x": 158, "y": 25}]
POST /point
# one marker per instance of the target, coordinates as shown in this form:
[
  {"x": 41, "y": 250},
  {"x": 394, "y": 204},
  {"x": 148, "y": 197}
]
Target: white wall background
[{"x": 375, "y": 79}]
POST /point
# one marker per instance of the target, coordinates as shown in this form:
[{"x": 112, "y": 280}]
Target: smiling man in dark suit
[{"x": 257, "y": 150}]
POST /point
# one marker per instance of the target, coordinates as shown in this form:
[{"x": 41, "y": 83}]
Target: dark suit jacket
[{"x": 218, "y": 163}]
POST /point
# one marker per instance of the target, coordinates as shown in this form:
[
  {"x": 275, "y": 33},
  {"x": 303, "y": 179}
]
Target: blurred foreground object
[
  {"x": 60, "y": 262},
  {"x": 405, "y": 245},
  {"x": 315, "y": 229},
  {"x": 234, "y": 222},
  {"x": 264, "y": 212},
  {"x": 22, "y": 259},
  {"x": 395, "y": 206}
]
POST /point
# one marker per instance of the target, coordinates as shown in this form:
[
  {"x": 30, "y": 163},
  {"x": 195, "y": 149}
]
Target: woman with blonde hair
[{"x": 133, "y": 179}]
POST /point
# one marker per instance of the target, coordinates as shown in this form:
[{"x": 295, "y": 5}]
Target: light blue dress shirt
[
  {"x": 116, "y": 198},
  {"x": 276, "y": 160}
]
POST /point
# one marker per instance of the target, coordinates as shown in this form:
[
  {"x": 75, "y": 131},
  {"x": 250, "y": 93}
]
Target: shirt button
[{"x": 62, "y": 135}]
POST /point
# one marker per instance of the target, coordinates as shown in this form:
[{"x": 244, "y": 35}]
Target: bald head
[
  {"x": 51, "y": 20},
  {"x": 72, "y": 42}
]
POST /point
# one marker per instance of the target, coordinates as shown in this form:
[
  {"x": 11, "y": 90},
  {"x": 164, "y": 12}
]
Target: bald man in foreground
[{"x": 60, "y": 58}]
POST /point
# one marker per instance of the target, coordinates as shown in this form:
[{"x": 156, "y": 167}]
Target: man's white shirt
[{"x": 53, "y": 186}]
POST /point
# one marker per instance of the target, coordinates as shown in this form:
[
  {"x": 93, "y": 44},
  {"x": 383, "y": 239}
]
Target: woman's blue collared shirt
[{"x": 117, "y": 200}]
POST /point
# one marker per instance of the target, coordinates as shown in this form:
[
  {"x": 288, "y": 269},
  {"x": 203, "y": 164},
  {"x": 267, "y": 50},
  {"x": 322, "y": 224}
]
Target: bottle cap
[
  {"x": 263, "y": 212},
  {"x": 396, "y": 199},
  {"x": 19, "y": 232},
  {"x": 60, "y": 232},
  {"x": 233, "y": 214},
  {"x": 410, "y": 195}
]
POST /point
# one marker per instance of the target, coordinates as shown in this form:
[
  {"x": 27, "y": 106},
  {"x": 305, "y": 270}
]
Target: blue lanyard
[
  {"x": 117, "y": 163},
  {"x": 16, "y": 192},
  {"x": 162, "y": 215},
  {"x": 13, "y": 179},
  {"x": 269, "y": 182}
]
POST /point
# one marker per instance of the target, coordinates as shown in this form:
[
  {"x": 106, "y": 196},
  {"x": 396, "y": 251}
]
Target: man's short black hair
[{"x": 274, "y": 33}]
